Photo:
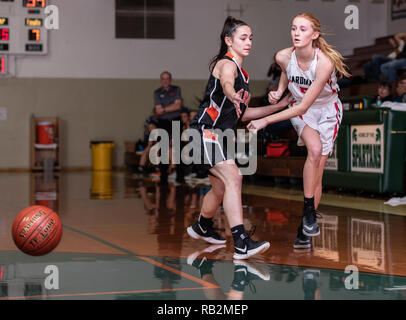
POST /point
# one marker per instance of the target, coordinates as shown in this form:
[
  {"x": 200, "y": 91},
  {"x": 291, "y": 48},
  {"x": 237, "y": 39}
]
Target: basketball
[{"x": 37, "y": 230}]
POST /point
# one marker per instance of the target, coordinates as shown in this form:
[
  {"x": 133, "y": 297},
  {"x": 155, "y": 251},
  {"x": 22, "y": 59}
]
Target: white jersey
[{"x": 299, "y": 81}]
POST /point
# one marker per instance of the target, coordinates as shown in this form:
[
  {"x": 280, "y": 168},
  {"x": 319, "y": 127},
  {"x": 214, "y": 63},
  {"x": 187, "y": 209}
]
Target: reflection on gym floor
[{"x": 124, "y": 238}]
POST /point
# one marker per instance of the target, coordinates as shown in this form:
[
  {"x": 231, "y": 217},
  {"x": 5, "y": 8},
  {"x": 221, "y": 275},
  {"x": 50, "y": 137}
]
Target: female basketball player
[
  {"x": 225, "y": 103},
  {"x": 309, "y": 72}
]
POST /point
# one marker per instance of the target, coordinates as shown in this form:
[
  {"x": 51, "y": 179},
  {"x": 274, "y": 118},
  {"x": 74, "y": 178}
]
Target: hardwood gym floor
[{"x": 124, "y": 238}]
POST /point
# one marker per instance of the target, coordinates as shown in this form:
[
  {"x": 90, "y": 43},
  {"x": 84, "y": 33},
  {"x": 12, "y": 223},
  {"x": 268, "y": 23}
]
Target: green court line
[
  {"x": 130, "y": 253},
  {"x": 185, "y": 275}
]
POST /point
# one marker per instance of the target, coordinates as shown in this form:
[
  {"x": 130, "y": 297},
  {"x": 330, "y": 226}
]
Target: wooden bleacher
[{"x": 362, "y": 55}]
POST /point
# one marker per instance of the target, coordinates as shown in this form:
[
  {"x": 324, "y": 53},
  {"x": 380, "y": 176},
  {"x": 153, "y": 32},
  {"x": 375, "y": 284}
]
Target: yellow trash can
[
  {"x": 102, "y": 153},
  {"x": 102, "y": 185}
]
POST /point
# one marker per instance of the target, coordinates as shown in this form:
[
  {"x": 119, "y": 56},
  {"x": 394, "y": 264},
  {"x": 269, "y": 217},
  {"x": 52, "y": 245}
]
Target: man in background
[{"x": 167, "y": 105}]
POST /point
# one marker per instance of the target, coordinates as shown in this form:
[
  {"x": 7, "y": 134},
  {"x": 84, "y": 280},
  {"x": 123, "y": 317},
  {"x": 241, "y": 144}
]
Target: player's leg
[
  {"x": 319, "y": 185},
  {"x": 228, "y": 172},
  {"x": 203, "y": 227},
  {"x": 328, "y": 125},
  {"x": 311, "y": 170}
]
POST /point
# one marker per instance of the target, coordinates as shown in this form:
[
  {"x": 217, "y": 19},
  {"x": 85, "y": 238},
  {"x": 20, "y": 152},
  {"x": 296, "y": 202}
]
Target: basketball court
[
  {"x": 81, "y": 77},
  {"x": 134, "y": 245}
]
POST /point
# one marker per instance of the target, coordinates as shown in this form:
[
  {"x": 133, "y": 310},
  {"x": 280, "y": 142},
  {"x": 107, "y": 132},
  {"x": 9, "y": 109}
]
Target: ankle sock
[
  {"x": 239, "y": 281},
  {"x": 308, "y": 204},
  {"x": 205, "y": 222},
  {"x": 237, "y": 231}
]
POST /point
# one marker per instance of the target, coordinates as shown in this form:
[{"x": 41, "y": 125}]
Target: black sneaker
[
  {"x": 210, "y": 235},
  {"x": 311, "y": 282},
  {"x": 252, "y": 272},
  {"x": 200, "y": 261},
  {"x": 302, "y": 241},
  {"x": 245, "y": 273},
  {"x": 245, "y": 247},
  {"x": 310, "y": 226}
]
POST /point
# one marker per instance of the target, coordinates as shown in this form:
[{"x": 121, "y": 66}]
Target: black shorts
[{"x": 213, "y": 149}]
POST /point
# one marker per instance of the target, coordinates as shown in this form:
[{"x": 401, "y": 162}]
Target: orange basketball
[{"x": 37, "y": 230}]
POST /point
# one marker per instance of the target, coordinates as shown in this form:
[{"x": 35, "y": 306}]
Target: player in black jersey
[{"x": 225, "y": 103}]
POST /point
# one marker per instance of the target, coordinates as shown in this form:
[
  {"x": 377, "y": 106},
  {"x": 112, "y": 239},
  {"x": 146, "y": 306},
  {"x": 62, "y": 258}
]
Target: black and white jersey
[{"x": 216, "y": 111}]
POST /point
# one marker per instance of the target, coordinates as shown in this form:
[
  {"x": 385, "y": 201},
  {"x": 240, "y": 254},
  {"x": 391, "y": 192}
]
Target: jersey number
[
  {"x": 246, "y": 98},
  {"x": 303, "y": 90}
]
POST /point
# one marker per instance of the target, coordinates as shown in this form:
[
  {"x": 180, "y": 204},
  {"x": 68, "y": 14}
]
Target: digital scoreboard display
[
  {"x": 34, "y": 3},
  {"x": 33, "y": 22},
  {"x": 34, "y": 35},
  {"x": 4, "y": 34},
  {"x": 33, "y": 47},
  {"x": 22, "y": 27},
  {"x": 3, "y": 63}
]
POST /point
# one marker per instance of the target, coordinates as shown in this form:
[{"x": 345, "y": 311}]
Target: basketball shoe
[
  {"x": 208, "y": 234},
  {"x": 245, "y": 273},
  {"x": 245, "y": 247},
  {"x": 309, "y": 221},
  {"x": 200, "y": 261},
  {"x": 311, "y": 282},
  {"x": 302, "y": 241}
]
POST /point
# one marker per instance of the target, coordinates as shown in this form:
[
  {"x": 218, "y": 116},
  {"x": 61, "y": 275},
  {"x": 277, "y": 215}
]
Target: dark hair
[
  {"x": 151, "y": 120},
  {"x": 274, "y": 69},
  {"x": 184, "y": 110},
  {"x": 230, "y": 25},
  {"x": 385, "y": 84}
]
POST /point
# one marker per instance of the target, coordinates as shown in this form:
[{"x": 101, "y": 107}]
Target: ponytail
[
  {"x": 334, "y": 56},
  {"x": 230, "y": 26}
]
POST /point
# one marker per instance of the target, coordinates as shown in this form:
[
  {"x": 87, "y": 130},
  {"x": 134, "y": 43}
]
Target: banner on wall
[
  {"x": 398, "y": 9},
  {"x": 367, "y": 148},
  {"x": 332, "y": 161}
]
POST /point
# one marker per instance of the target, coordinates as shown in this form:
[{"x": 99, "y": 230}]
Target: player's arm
[
  {"x": 282, "y": 59},
  {"x": 323, "y": 71},
  {"x": 227, "y": 74},
  {"x": 259, "y": 112}
]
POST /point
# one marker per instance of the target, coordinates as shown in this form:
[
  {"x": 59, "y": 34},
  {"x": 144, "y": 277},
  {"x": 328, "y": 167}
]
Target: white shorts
[{"x": 326, "y": 120}]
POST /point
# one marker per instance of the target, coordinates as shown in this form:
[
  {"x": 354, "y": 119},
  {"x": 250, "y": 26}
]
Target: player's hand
[
  {"x": 236, "y": 100},
  {"x": 274, "y": 96},
  {"x": 256, "y": 125}
]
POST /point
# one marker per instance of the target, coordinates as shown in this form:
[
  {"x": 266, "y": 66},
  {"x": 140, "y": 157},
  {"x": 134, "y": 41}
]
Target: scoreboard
[{"x": 22, "y": 27}]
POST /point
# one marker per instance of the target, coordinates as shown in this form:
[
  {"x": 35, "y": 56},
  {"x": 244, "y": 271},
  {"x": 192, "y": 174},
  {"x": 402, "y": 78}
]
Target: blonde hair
[{"x": 334, "y": 55}]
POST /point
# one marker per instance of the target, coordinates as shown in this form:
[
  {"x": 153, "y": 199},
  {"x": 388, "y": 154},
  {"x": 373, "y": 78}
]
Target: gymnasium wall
[
  {"x": 396, "y": 25},
  {"x": 101, "y": 87}
]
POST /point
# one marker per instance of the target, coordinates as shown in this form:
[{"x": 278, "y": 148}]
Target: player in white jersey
[{"x": 309, "y": 71}]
